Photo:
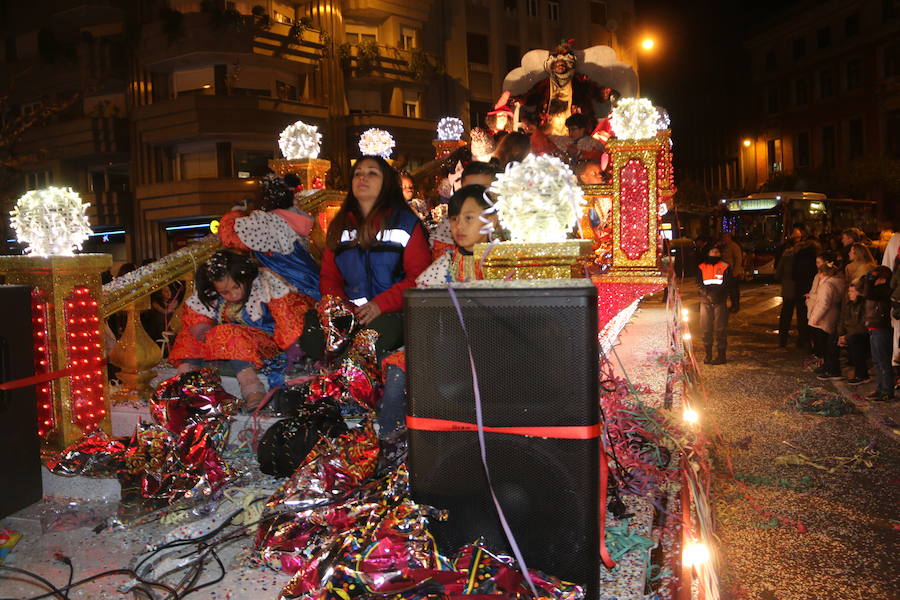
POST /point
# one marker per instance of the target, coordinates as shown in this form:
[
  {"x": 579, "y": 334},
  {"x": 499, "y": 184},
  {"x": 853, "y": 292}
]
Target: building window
[
  {"x": 411, "y": 109},
  {"x": 771, "y": 62},
  {"x": 889, "y": 9},
  {"x": 801, "y": 91},
  {"x": 851, "y": 25},
  {"x": 773, "y": 154},
  {"x": 38, "y": 180},
  {"x": 854, "y": 73},
  {"x": 823, "y": 37},
  {"x": 828, "y": 146},
  {"x": 801, "y": 150},
  {"x": 598, "y": 13},
  {"x": 511, "y": 7},
  {"x": 892, "y": 61},
  {"x": 826, "y": 84},
  {"x": 251, "y": 163},
  {"x": 354, "y": 34},
  {"x": 477, "y": 48},
  {"x": 892, "y": 144},
  {"x": 407, "y": 38},
  {"x": 772, "y": 101},
  {"x": 513, "y": 58},
  {"x": 799, "y": 48},
  {"x": 553, "y": 10},
  {"x": 532, "y": 8},
  {"x": 478, "y": 111},
  {"x": 855, "y": 142}
]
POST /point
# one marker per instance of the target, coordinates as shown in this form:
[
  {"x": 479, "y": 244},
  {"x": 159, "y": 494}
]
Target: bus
[{"x": 760, "y": 222}]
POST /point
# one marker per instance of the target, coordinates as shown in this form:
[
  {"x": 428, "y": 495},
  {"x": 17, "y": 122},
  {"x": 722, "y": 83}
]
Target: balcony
[
  {"x": 198, "y": 39},
  {"x": 77, "y": 138},
  {"x": 190, "y": 198},
  {"x": 374, "y": 63},
  {"x": 379, "y": 10},
  {"x": 193, "y": 117}
]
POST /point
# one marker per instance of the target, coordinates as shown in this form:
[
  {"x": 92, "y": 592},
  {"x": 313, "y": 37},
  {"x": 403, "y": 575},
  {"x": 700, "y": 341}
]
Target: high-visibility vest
[{"x": 713, "y": 274}]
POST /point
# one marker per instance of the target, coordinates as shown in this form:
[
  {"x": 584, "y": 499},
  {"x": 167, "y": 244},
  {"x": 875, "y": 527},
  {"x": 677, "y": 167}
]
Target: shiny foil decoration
[
  {"x": 191, "y": 398},
  {"x": 338, "y": 322},
  {"x": 96, "y": 454}
]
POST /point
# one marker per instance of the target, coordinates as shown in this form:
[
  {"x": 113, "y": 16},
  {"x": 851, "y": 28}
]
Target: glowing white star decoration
[
  {"x": 662, "y": 121},
  {"x": 450, "y": 128},
  {"x": 51, "y": 221},
  {"x": 376, "y": 142},
  {"x": 299, "y": 141},
  {"x": 634, "y": 119},
  {"x": 538, "y": 200}
]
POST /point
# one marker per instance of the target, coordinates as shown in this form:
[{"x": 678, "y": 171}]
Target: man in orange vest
[{"x": 716, "y": 284}]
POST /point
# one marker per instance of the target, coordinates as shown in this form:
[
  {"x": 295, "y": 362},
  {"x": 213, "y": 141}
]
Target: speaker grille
[{"x": 536, "y": 356}]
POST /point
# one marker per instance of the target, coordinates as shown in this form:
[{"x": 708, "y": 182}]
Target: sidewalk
[{"x": 884, "y": 415}]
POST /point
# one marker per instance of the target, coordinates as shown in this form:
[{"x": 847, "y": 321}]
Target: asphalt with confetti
[{"x": 810, "y": 508}]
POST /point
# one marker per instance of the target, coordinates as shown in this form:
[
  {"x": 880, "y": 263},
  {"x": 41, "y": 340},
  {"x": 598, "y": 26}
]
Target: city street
[{"x": 809, "y": 509}]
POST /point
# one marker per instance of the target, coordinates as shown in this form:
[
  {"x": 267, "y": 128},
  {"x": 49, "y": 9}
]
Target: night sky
[{"x": 699, "y": 69}]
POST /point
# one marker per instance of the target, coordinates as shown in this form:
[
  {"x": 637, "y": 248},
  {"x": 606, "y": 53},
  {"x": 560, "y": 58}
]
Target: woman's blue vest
[{"x": 368, "y": 273}]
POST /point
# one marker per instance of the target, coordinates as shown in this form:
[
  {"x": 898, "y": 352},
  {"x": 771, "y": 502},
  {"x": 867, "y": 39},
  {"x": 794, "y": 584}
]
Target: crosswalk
[{"x": 760, "y": 302}]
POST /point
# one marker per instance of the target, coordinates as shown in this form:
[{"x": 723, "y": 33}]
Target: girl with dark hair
[
  {"x": 823, "y": 305},
  {"x": 375, "y": 248},
  {"x": 242, "y": 314},
  {"x": 278, "y": 237}
]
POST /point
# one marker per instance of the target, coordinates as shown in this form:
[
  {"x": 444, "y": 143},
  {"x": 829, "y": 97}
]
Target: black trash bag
[
  {"x": 286, "y": 443},
  {"x": 289, "y": 400}
]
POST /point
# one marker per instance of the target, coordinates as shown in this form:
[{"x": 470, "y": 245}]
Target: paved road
[{"x": 850, "y": 514}]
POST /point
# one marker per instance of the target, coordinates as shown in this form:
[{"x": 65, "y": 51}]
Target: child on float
[
  {"x": 241, "y": 315},
  {"x": 375, "y": 248},
  {"x": 278, "y": 237},
  {"x": 418, "y": 205},
  {"x": 468, "y": 227},
  {"x": 475, "y": 173}
]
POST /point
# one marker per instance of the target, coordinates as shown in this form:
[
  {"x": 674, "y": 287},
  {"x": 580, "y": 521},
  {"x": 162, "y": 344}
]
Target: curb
[{"x": 883, "y": 415}]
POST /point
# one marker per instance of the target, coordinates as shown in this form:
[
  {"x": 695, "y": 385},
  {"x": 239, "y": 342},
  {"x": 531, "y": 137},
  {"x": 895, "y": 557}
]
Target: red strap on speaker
[
  {"x": 35, "y": 379},
  {"x": 581, "y": 432}
]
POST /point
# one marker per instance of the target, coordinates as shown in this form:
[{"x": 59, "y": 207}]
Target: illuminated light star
[
  {"x": 300, "y": 141},
  {"x": 51, "y": 222},
  {"x": 450, "y": 128},
  {"x": 376, "y": 142},
  {"x": 634, "y": 119},
  {"x": 538, "y": 200}
]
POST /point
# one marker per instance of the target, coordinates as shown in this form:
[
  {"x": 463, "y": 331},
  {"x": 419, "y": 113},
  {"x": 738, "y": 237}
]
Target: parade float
[{"x": 340, "y": 523}]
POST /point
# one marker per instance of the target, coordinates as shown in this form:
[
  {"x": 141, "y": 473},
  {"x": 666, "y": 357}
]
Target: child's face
[
  {"x": 229, "y": 289},
  {"x": 466, "y": 226}
]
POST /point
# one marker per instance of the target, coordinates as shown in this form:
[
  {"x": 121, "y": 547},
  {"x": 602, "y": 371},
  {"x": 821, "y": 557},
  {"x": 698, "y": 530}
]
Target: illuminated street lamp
[
  {"x": 648, "y": 44},
  {"x": 747, "y": 142}
]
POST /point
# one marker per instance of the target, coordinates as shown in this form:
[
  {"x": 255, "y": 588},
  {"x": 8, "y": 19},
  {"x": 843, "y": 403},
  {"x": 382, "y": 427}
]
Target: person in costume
[
  {"x": 277, "y": 237},
  {"x": 562, "y": 94},
  {"x": 242, "y": 314},
  {"x": 375, "y": 248},
  {"x": 467, "y": 226}
]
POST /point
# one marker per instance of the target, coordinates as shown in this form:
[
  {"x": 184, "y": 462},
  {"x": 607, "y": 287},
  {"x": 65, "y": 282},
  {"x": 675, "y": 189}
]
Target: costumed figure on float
[
  {"x": 556, "y": 85},
  {"x": 279, "y": 236}
]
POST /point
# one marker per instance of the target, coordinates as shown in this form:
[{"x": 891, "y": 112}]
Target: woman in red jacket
[{"x": 375, "y": 248}]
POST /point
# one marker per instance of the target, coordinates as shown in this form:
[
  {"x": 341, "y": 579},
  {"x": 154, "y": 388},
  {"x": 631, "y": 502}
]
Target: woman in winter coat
[
  {"x": 861, "y": 262},
  {"x": 823, "y": 305}
]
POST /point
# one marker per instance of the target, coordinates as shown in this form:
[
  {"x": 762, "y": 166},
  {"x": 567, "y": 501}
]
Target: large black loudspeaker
[
  {"x": 536, "y": 354},
  {"x": 20, "y": 449}
]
